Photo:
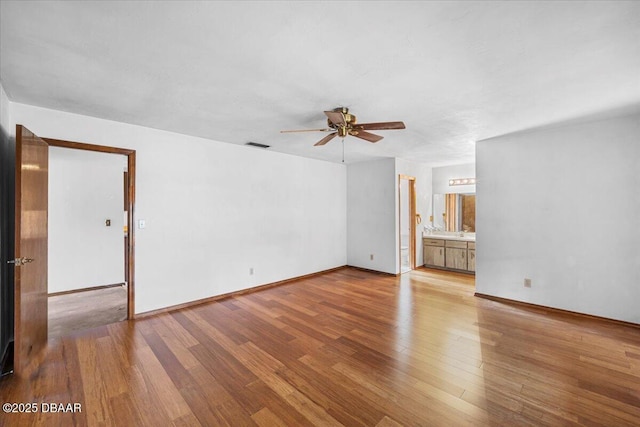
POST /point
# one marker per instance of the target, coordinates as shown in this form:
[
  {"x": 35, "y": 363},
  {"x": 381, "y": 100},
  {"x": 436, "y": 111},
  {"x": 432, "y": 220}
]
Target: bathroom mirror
[{"x": 454, "y": 212}]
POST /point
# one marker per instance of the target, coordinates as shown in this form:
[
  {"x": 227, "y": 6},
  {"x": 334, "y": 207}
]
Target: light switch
[
  {"x": 107, "y": 223},
  {"x": 142, "y": 223}
]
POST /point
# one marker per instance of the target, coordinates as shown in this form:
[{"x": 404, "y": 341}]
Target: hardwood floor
[
  {"x": 88, "y": 309},
  {"x": 349, "y": 348}
]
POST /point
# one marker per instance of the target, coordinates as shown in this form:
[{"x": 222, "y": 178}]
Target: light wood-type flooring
[
  {"x": 349, "y": 348},
  {"x": 88, "y": 309}
]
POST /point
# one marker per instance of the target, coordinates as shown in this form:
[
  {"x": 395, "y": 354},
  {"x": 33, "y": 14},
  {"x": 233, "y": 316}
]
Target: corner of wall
[
  {"x": 7, "y": 198},
  {"x": 5, "y": 112}
]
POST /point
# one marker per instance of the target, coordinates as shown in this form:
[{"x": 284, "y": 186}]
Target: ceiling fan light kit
[{"x": 342, "y": 123}]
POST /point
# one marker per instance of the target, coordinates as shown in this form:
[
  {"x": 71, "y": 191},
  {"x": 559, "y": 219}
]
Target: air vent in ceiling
[{"x": 255, "y": 144}]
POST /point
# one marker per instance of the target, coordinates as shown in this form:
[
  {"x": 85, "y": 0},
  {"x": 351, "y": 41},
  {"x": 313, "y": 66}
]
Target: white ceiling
[{"x": 454, "y": 72}]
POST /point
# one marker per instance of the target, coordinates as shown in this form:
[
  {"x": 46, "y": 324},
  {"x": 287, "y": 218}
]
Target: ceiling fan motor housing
[{"x": 349, "y": 119}]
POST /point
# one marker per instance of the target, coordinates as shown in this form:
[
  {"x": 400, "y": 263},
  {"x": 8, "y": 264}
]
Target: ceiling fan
[{"x": 342, "y": 123}]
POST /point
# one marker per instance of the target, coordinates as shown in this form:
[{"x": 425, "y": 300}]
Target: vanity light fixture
[{"x": 462, "y": 181}]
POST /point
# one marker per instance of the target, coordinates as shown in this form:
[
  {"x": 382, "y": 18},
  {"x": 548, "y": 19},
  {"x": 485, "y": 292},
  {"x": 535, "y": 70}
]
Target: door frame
[
  {"x": 131, "y": 192},
  {"x": 412, "y": 221}
]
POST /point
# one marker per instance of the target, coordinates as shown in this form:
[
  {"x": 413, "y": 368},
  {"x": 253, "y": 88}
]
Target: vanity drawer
[
  {"x": 456, "y": 244},
  {"x": 433, "y": 242},
  {"x": 472, "y": 245}
]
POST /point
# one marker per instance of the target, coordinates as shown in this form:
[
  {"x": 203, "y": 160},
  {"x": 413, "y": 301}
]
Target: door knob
[{"x": 20, "y": 261}]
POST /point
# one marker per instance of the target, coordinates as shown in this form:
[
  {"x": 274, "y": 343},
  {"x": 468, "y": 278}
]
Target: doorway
[
  {"x": 127, "y": 232},
  {"x": 406, "y": 222},
  {"x": 86, "y": 227},
  {"x": 30, "y": 311}
]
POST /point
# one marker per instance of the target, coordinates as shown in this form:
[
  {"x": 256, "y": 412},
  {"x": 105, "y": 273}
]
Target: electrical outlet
[
  {"x": 527, "y": 283},
  {"x": 251, "y": 271},
  {"x": 371, "y": 257}
]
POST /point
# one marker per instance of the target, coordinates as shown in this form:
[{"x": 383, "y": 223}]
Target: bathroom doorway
[{"x": 406, "y": 223}]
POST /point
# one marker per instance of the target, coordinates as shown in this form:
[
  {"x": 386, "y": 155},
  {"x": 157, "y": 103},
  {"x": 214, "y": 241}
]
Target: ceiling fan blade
[
  {"x": 308, "y": 130},
  {"x": 335, "y": 117},
  {"x": 326, "y": 139},
  {"x": 371, "y": 137},
  {"x": 379, "y": 126}
]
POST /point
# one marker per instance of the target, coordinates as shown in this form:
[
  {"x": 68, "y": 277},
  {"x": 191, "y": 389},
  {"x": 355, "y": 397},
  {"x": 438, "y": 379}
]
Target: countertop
[{"x": 466, "y": 237}]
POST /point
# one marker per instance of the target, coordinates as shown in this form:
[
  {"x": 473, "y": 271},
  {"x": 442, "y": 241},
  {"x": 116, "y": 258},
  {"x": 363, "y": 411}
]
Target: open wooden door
[{"x": 32, "y": 172}]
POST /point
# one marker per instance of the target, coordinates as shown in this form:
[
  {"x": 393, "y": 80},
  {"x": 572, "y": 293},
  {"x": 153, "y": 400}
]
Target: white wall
[
  {"x": 214, "y": 210},
  {"x": 5, "y": 112},
  {"x": 371, "y": 215},
  {"x": 561, "y": 206},
  {"x": 85, "y": 189}
]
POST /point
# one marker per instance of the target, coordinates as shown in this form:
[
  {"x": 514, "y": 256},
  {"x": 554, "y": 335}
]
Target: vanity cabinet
[
  {"x": 433, "y": 250},
  {"x": 450, "y": 254},
  {"x": 456, "y": 254}
]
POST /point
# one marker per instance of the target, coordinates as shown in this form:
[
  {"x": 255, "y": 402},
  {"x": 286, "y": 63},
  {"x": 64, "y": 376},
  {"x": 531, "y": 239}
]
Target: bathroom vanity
[{"x": 450, "y": 252}]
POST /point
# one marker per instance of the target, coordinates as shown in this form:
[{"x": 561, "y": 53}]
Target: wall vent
[{"x": 255, "y": 144}]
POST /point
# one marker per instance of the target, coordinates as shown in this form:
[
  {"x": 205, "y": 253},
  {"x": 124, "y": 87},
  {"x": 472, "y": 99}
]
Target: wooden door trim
[
  {"x": 131, "y": 169},
  {"x": 412, "y": 210},
  {"x": 412, "y": 226}
]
